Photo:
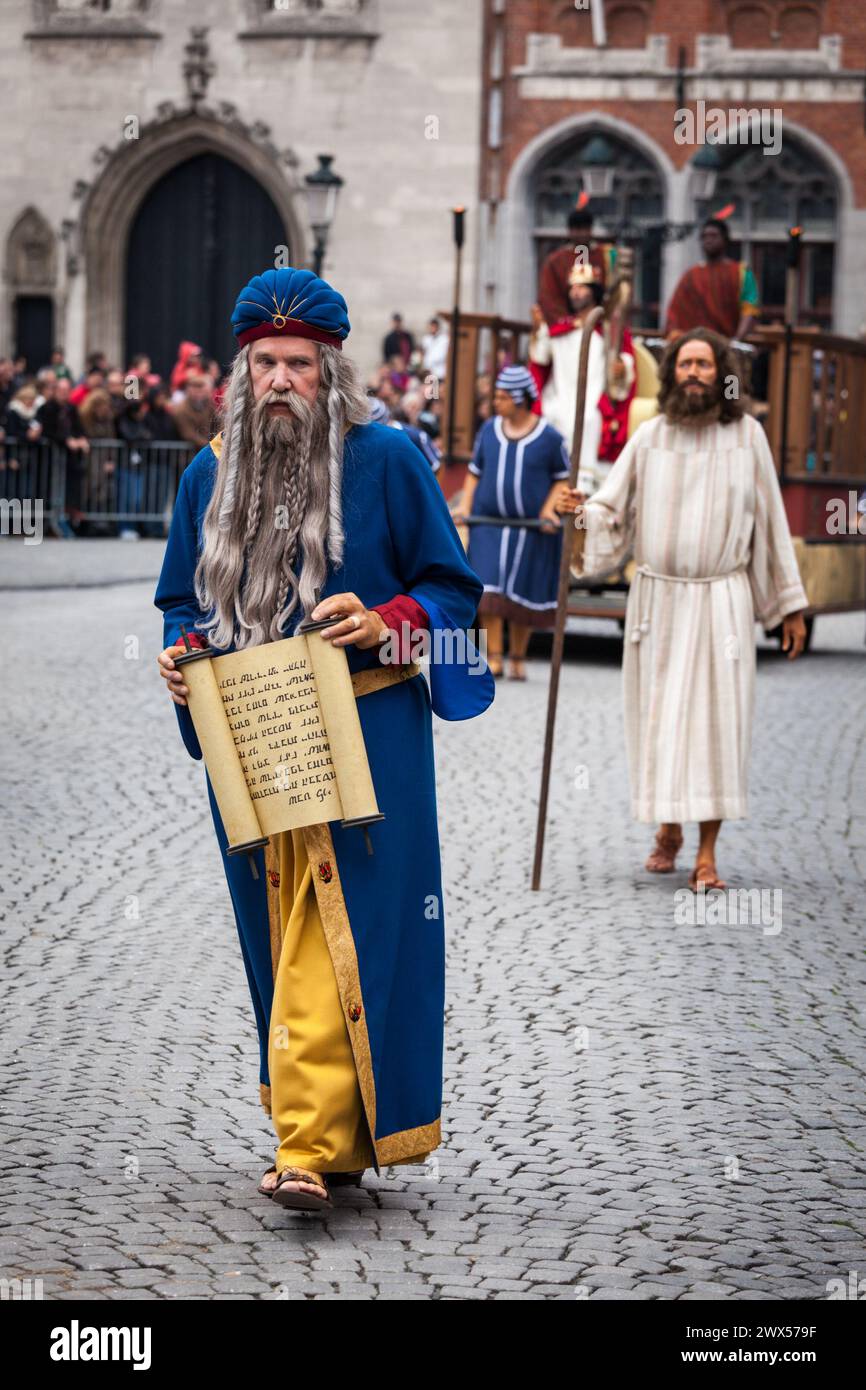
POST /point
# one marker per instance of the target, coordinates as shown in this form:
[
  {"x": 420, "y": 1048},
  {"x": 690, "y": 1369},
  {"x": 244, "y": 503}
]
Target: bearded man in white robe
[{"x": 695, "y": 495}]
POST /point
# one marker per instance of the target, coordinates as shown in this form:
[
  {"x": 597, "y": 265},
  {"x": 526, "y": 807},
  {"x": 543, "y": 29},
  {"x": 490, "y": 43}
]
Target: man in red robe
[
  {"x": 721, "y": 294},
  {"x": 553, "y": 279}
]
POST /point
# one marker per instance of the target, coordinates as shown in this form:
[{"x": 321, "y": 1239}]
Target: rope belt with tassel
[{"x": 642, "y": 627}]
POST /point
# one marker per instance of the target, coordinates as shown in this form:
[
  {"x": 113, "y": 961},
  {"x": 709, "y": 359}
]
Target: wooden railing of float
[
  {"x": 479, "y": 339},
  {"x": 816, "y": 393},
  {"x": 816, "y": 424}
]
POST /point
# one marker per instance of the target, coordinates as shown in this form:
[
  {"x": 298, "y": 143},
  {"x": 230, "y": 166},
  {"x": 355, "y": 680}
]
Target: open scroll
[{"x": 280, "y": 735}]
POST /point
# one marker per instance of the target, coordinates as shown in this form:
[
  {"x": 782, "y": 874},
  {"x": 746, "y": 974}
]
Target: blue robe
[
  {"x": 399, "y": 538},
  {"x": 519, "y": 569}
]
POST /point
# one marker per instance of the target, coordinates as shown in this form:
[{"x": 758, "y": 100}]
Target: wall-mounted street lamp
[
  {"x": 322, "y": 188},
  {"x": 598, "y": 166},
  {"x": 706, "y": 165}
]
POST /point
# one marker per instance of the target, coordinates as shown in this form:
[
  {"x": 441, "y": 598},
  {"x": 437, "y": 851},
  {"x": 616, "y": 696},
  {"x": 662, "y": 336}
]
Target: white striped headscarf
[{"x": 517, "y": 381}]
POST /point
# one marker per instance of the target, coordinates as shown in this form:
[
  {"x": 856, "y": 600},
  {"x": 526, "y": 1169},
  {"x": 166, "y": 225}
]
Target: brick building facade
[{"x": 559, "y": 74}]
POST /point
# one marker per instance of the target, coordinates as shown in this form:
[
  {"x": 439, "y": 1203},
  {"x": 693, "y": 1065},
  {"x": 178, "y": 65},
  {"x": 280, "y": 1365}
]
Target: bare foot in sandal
[
  {"x": 704, "y": 876},
  {"x": 663, "y": 856},
  {"x": 353, "y": 1179},
  {"x": 268, "y": 1182},
  {"x": 300, "y": 1189}
]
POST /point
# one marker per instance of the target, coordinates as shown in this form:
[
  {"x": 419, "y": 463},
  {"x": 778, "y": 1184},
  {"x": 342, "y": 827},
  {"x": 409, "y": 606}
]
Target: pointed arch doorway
[{"x": 199, "y": 234}]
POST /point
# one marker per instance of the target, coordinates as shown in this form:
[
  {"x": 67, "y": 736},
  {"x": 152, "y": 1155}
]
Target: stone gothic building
[{"x": 154, "y": 154}]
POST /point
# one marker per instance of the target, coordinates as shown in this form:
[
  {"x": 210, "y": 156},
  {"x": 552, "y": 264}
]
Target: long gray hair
[{"x": 272, "y": 500}]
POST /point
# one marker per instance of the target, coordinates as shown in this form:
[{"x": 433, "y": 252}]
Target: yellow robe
[{"x": 317, "y": 1108}]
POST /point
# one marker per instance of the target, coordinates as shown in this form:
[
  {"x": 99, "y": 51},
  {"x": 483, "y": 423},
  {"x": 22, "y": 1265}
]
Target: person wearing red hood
[
  {"x": 186, "y": 362},
  {"x": 554, "y": 353}
]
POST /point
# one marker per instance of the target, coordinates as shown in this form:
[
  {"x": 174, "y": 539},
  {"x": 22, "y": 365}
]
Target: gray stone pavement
[{"x": 635, "y": 1108}]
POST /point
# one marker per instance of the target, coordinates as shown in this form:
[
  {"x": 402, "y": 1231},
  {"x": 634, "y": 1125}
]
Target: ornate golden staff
[{"x": 617, "y": 305}]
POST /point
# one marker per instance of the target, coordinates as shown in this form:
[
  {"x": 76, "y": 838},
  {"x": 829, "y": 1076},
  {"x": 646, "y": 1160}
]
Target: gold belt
[{"x": 378, "y": 677}]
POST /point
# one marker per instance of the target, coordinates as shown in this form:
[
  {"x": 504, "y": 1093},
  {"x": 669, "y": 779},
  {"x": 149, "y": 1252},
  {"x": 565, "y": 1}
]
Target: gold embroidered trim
[
  {"x": 409, "y": 1145},
  {"x": 272, "y": 888},
  {"x": 319, "y": 844}
]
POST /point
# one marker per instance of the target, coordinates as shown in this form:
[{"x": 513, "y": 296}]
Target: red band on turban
[{"x": 292, "y": 328}]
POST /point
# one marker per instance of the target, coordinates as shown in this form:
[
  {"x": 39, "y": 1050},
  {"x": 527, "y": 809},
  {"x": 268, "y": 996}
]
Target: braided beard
[
  {"x": 274, "y": 521},
  {"x": 284, "y": 486}
]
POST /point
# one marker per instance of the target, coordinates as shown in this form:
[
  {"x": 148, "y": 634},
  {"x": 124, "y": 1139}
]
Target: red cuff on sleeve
[
  {"x": 196, "y": 639},
  {"x": 399, "y": 610}
]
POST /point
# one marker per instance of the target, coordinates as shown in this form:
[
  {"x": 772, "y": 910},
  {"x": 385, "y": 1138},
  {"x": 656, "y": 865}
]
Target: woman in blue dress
[{"x": 517, "y": 470}]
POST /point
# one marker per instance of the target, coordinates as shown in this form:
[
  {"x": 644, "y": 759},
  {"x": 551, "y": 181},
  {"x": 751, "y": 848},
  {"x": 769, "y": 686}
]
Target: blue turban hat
[{"x": 292, "y": 302}]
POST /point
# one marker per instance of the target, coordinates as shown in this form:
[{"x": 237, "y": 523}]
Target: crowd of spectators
[
  {"x": 407, "y": 384},
  {"x": 133, "y": 408},
  {"x": 136, "y": 408}
]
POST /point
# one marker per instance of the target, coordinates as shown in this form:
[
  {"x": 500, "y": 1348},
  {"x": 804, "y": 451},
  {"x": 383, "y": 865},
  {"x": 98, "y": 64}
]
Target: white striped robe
[{"x": 703, "y": 512}]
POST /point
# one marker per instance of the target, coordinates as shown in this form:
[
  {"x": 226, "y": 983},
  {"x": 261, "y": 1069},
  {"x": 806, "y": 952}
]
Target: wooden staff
[
  {"x": 459, "y": 231},
  {"x": 562, "y": 594},
  {"x": 526, "y": 523},
  {"x": 792, "y": 309}
]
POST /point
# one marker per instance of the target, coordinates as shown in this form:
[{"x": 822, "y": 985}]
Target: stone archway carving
[
  {"x": 131, "y": 170},
  {"x": 31, "y": 255},
  {"x": 30, "y": 262}
]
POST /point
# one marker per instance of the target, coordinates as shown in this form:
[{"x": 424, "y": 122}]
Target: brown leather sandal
[
  {"x": 663, "y": 856},
  {"x": 494, "y": 663},
  {"x": 334, "y": 1180},
  {"x": 266, "y": 1191},
  {"x": 516, "y": 669},
  {"x": 296, "y": 1198},
  {"x": 704, "y": 877},
  {"x": 345, "y": 1179}
]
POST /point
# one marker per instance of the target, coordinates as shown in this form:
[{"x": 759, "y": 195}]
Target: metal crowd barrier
[{"x": 116, "y": 485}]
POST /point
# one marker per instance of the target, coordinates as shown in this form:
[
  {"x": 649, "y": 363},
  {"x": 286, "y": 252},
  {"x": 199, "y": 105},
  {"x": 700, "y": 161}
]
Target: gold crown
[{"x": 583, "y": 273}]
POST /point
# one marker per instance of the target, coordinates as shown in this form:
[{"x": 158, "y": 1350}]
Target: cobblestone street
[{"x": 636, "y": 1107}]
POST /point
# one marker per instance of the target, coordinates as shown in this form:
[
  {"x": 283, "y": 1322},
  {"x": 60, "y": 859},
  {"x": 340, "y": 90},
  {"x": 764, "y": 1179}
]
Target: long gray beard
[{"x": 251, "y": 570}]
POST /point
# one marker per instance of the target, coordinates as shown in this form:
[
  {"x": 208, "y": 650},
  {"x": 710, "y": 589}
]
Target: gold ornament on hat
[{"x": 584, "y": 273}]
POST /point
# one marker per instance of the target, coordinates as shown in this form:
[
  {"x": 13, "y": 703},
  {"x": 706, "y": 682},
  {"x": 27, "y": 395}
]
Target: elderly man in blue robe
[{"x": 301, "y": 508}]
